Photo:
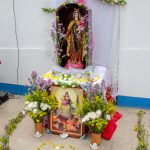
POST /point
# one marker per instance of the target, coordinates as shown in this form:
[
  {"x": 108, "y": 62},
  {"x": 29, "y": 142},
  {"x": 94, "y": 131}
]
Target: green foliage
[
  {"x": 115, "y": 2},
  {"x": 93, "y": 105},
  {"x": 142, "y": 134},
  {"x": 49, "y": 10},
  {"x": 88, "y": 111},
  {"x": 38, "y": 117},
  {"x": 40, "y": 97},
  {"x": 1, "y": 147},
  {"x": 97, "y": 126},
  {"x": 9, "y": 129}
]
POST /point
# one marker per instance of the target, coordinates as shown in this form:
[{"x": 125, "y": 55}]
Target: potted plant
[
  {"x": 95, "y": 113},
  {"x": 39, "y": 104}
]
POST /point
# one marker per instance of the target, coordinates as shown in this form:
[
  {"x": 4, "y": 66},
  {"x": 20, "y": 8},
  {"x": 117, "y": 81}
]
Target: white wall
[
  {"x": 36, "y": 46},
  {"x": 33, "y": 37},
  {"x": 134, "y": 69}
]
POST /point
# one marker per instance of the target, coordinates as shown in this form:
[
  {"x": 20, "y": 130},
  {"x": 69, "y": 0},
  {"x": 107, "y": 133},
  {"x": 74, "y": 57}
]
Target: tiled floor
[{"x": 23, "y": 139}]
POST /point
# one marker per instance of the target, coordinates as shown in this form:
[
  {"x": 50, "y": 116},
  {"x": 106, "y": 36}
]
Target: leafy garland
[
  {"x": 49, "y": 10},
  {"x": 109, "y": 2},
  {"x": 115, "y": 2},
  {"x": 142, "y": 134},
  {"x": 9, "y": 129}
]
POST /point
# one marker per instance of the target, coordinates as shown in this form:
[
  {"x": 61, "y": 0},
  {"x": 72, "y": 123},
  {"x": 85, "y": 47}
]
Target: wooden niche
[{"x": 73, "y": 26}]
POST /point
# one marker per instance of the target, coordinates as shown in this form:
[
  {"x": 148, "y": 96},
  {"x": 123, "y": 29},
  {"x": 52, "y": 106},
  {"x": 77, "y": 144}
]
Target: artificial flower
[
  {"x": 99, "y": 113},
  {"x": 108, "y": 117},
  {"x": 35, "y": 111},
  {"x": 92, "y": 115}
]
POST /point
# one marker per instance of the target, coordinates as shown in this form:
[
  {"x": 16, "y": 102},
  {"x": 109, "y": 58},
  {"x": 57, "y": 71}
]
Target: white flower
[
  {"x": 99, "y": 113},
  {"x": 92, "y": 115},
  {"x": 44, "y": 106},
  {"x": 49, "y": 107},
  {"x": 87, "y": 118},
  {"x": 108, "y": 117},
  {"x": 69, "y": 82},
  {"x": 35, "y": 104},
  {"x": 73, "y": 86},
  {"x": 65, "y": 79},
  {"x": 69, "y": 79},
  {"x": 83, "y": 120},
  {"x": 26, "y": 108},
  {"x": 23, "y": 112},
  {"x": 56, "y": 83},
  {"x": 32, "y": 105},
  {"x": 35, "y": 111}
]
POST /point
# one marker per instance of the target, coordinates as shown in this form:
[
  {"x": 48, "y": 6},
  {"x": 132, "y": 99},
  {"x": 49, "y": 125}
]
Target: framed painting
[{"x": 63, "y": 120}]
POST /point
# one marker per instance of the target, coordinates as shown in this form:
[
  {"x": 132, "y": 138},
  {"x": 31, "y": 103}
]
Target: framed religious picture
[
  {"x": 64, "y": 120},
  {"x": 74, "y": 40}
]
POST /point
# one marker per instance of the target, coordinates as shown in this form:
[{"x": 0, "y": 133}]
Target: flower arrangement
[
  {"x": 37, "y": 82},
  {"x": 95, "y": 113},
  {"x": 57, "y": 34},
  {"x": 39, "y": 103}
]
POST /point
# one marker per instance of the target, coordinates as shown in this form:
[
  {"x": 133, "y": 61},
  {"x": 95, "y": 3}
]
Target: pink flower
[{"x": 81, "y": 1}]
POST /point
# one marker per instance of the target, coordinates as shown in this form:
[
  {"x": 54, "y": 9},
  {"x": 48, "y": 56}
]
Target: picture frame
[{"x": 63, "y": 120}]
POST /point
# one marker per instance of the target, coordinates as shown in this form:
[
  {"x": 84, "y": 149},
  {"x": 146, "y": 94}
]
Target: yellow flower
[
  {"x": 57, "y": 18},
  {"x": 79, "y": 4},
  {"x": 136, "y": 128},
  {"x": 97, "y": 97}
]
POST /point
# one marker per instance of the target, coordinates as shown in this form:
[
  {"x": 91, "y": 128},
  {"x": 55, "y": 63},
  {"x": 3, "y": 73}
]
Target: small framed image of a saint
[{"x": 64, "y": 120}]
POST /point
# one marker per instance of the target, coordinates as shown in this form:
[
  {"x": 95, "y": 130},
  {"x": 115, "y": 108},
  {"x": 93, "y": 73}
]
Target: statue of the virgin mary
[{"x": 74, "y": 42}]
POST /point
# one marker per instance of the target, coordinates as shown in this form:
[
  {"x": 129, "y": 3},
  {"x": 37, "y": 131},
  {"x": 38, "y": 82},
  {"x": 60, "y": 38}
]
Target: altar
[
  {"x": 80, "y": 78},
  {"x": 69, "y": 86},
  {"x": 74, "y": 96}
]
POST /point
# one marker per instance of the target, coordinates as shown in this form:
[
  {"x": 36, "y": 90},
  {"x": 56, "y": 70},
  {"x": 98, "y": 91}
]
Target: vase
[
  {"x": 38, "y": 127},
  {"x": 96, "y": 138}
]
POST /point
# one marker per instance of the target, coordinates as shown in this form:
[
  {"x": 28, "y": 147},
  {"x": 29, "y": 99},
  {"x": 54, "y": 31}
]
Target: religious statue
[
  {"x": 73, "y": 36},
  {"x": 74, "y": 41}
]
